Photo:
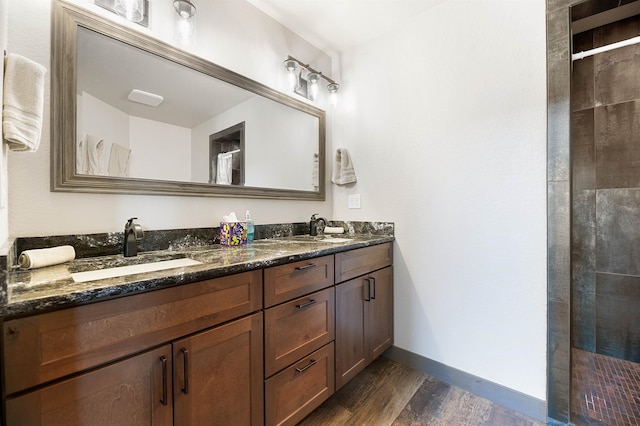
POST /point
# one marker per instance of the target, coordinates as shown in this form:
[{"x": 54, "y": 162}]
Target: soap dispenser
[{"x": 250, "y": 227}]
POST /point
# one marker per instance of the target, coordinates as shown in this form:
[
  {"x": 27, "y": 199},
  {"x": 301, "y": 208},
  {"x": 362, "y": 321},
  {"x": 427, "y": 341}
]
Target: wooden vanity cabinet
[
  {"x": 364, "y": 309},
  {"x": 134, "y": 391},
  {"x": 104, "y": 360},
  {"x": 299, "y": 335}
]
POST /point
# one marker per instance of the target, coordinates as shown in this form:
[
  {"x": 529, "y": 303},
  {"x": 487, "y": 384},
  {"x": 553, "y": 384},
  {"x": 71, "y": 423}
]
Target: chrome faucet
[
  {"x": 132, "y": 234},
  {"x": 313, "y": 224}
]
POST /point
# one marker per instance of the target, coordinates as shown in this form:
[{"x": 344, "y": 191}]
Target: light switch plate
[{"x": 354, "y": 201}]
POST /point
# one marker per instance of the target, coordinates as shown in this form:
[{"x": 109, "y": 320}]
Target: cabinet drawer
[
  {"x": 297, "y": 391},
  {"x": 48, "y": 346},
  {"x": 298, "y": 327},
  {"x": 351, "y": 264},
  {"x": 285, "y": 282}
]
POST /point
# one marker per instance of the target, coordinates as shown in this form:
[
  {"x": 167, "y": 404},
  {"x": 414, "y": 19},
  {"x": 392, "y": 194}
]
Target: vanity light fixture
[
  {"x": 134, "y": 10},
  {"x": 185, "y": 22},
  {"x": 184, "y": 8},
  {"x": 313, "y": 78}
]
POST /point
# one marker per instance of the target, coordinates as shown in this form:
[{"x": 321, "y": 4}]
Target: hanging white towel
[
  {"x": 95, "y": 154},
  {"x": 119, "y": 160},
  {"x": 315, "y": 172},
  {"x": 81, "y": 157},
  {"x": 23, "y": 103},
  {"x": 224, "y": 168},
  {"x": 343, "y": 172}
]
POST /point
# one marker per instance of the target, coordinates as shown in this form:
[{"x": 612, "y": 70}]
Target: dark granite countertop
[{"x": 51, "y": 288}]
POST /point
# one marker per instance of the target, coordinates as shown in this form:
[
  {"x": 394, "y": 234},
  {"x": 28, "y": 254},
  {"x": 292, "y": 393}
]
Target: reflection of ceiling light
[{"x": 145, "y": 98}]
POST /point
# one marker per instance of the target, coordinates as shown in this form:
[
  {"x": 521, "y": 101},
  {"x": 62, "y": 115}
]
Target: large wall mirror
[{"x": 131, "y": 114}]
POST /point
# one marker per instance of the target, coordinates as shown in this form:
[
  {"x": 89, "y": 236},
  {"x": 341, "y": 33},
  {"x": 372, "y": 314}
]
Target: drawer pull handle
[
  {"x": 368, "y": 298},
  {"x": 302, "y": 268},
  {"x": 312, "y": 362},
  {"x": 307, "y": 304},
  {"x": 164, "y": 400},
  {"x": 373, "y": 295},
  {"x": 185, "y": 354}
]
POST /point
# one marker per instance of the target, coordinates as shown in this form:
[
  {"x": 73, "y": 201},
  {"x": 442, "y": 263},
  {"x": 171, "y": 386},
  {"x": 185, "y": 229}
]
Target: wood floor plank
[
  {"x": 388, "y": 393},
  {"x": 375, "y": 397}
]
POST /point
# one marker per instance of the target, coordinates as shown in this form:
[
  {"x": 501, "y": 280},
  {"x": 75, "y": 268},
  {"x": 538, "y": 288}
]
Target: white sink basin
[
  {"x": 81, "y": 277},
  {"x": 336, "y": 240}
]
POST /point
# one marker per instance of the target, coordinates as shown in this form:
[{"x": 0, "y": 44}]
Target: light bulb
[{"x": 313, "y": 79}]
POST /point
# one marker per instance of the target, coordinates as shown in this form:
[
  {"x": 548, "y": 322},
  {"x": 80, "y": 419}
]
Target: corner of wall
[{"x": 4, "y": 186}]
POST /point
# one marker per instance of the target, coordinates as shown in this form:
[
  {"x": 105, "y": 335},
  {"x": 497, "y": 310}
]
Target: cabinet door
[
  {"x": 364, "y": 322},
  {"x": 379, "y": 329},
  {"x": 351, "y": 349},
  {"x": 136, "y": 391},
  {"x": 218, "y": 375}
]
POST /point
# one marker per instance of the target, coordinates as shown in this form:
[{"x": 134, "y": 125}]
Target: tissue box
[{"x": 233, "y": 233}]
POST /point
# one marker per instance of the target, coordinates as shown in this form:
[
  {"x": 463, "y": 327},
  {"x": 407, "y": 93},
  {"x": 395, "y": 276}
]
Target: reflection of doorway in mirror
[{"x": 226, "y": 156}]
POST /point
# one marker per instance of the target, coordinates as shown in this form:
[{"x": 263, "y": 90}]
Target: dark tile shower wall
[{"x": 605, "y": 144}]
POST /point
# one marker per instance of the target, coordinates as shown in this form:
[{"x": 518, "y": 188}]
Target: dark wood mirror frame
[{"x": 66, "y": 20}]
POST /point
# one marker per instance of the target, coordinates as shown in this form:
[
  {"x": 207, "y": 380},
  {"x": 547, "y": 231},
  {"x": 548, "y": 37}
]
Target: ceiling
[{"x": 337, "y": 25}]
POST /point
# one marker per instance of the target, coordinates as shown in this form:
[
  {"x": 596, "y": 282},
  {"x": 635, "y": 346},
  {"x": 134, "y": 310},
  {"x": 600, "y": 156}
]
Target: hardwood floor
[{"x": 388, "y": 393}]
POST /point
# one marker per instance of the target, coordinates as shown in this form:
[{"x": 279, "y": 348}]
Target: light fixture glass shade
[
  {"x": 184, "y": 23},
  {"x": 133, "y": 10},
  {"x": 184, "y": 8},
  {"x": 313, "y": 79},
  {"x": 290, "y": 65}
]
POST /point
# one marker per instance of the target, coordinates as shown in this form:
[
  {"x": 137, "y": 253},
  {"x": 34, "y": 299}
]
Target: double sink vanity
[{"x": 257, "y": 334}]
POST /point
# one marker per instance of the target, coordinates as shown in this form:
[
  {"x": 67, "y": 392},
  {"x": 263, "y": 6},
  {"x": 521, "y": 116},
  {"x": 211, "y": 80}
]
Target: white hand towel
[
  {"x": 224, "y": 168},
  {"x": 81, "y": 158},
  {"x": 333, "y": 230},
  {"x": 23, "y": 103},
  {"x": 119, "y": 160},
  {"x": 95, "y": 154},
  {"x": 45, "y": 257},
  {"x": 315, "y": 172},
  {"x": 343, "y": 172}
]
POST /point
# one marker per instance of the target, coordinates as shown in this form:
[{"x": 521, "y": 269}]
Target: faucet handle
[{"x": 314, "y": 216}]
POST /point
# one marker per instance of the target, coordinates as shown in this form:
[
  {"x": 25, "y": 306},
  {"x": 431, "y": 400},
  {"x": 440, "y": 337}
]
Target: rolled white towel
[
  {"x": 38, "y": 258},
  {"x": 333, "y": 230}
]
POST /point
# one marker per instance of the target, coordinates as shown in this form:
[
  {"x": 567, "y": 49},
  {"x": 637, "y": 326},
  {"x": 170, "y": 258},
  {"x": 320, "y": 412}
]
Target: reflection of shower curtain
[{"x": 223, "y": 171}]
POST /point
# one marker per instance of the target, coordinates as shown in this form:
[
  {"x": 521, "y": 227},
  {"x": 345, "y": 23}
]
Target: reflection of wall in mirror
[
  {"x": 158, "y": 150},
  {"x": 105, "y": 122},
  {"x": 276, "y": 156}
]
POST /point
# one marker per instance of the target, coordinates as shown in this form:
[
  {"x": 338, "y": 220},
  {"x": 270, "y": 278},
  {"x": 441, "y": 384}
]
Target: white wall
[
  {"x": 4, "y": 186},
  {"x": 445, "y": 121},
  {"x": 159, "y": 150},
  {"x": 288, "y": 167},
  {"x": 233, "y": 34}
]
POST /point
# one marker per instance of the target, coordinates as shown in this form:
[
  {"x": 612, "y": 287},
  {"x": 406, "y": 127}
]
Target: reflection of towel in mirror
[
  {"x": 81, "y": 158},
  {"x": 343, "y": 172},
  {"x": 315, "y": 172},
  {"x": 23, "y": 103},
  {"x": 119, "y": 160},
  {"x": 223, "y": 170},
  {"x": 95, "y": 153}
]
